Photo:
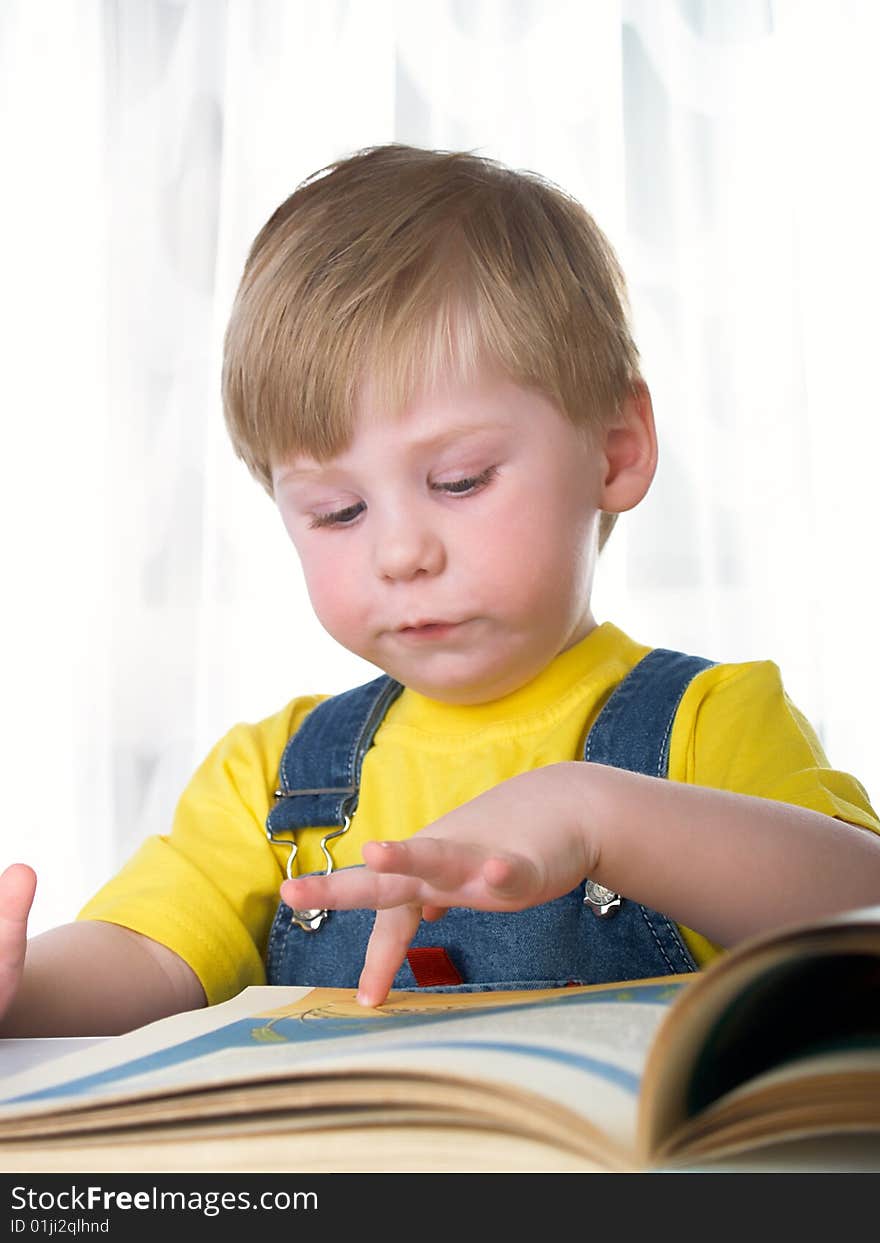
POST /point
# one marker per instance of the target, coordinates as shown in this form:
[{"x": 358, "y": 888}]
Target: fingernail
[{"x": 363, "y": 999}]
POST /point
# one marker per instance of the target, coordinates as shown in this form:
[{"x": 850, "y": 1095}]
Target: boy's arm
[
  {"x": 83, "y": 979},
  {"x": 726, "y": 865}
]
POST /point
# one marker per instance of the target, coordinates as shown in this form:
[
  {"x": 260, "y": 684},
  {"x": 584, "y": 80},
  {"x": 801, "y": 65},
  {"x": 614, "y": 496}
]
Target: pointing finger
[{"x": 389, "y": 941}]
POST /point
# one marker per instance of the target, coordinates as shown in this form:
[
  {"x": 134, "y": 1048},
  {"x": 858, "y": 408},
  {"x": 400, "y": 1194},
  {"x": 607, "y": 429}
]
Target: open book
[{"x": 779, "y": 1040}]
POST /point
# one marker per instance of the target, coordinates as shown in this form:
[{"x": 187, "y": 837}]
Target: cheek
[
  {"x": 326, "y": 579},
  {"x": 526, "y": 539},
  {"x": 531, "y": 555}
]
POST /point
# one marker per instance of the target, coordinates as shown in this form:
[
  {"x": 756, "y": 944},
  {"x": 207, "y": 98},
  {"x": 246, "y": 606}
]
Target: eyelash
[{"x": 459, "y": 487}]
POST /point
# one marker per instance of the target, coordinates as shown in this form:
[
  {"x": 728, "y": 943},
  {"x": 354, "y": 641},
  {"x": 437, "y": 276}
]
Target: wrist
[
  {"x": 584, "y": 800},
  {"x": 609, "y": 804}
]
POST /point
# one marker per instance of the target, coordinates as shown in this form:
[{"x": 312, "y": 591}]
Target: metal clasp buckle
[
  {"x": 601, "y": 901},
  {"x": 309, "y": 921}
]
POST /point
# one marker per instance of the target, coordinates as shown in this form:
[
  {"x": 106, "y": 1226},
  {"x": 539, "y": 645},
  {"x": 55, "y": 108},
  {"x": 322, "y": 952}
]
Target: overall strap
[
  {"x": 320, "y": 769},
  {"x": 634, "y": 728}
]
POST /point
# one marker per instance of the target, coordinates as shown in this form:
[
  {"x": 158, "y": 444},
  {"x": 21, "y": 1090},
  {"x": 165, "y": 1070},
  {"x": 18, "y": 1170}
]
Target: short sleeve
[
  {"x": 208, "y": 890},
  {"x": 737, "y": 729}
]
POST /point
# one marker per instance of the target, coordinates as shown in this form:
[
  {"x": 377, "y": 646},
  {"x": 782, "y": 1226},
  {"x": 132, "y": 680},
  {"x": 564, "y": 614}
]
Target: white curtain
[{"x": 150, "y": 597}]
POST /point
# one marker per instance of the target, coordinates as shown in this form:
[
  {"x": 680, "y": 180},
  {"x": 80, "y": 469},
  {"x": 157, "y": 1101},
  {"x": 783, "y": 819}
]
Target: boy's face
[{"x": 453, "y": 547}]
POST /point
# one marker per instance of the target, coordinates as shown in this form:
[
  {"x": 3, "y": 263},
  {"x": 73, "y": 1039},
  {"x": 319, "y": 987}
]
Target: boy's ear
[{"x": 629, "y": 448}]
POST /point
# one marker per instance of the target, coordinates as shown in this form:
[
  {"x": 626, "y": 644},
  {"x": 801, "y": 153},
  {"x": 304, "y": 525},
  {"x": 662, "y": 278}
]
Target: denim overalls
[{"x": 557, "y": 943}]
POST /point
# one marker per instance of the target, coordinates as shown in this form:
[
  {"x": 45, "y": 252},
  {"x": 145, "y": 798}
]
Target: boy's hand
[
  {"x": 517, "y": 845},
  {"x": 17, "y": 886}
]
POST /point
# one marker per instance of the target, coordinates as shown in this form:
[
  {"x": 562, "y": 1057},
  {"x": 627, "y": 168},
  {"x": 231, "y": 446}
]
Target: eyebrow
[{"x": 293, "y": 474}]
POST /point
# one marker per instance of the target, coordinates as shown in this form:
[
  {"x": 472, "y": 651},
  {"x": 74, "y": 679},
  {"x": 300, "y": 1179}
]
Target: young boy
[{"x": 429, "y": 367}]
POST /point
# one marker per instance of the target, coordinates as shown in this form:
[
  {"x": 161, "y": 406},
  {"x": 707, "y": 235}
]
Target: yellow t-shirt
[{"x": 209, "y": 889}]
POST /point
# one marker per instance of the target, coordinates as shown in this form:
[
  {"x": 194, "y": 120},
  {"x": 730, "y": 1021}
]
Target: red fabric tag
[{"x": 431, "y": 965}]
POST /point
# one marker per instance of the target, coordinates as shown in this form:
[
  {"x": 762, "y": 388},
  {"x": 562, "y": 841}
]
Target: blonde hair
[{"x": 400, "y": 266}]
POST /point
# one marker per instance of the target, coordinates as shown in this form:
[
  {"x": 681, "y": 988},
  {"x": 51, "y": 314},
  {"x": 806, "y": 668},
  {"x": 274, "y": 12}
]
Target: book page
[
  {"x": 565, "y": 1063},
  {"x": 836, "y": 1091},
  {"x": 765, "y": 1004}
]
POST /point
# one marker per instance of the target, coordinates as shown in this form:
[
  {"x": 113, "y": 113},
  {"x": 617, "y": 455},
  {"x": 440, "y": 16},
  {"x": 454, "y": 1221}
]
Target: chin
[
  {"x": 465, "y": 689},
  {"x": 459, "y": 677}
]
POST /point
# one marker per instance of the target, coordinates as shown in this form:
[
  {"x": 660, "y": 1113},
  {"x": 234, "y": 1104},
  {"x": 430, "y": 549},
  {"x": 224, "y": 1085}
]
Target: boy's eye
[
  {"x": 339, "y": 518},
  {"x": 455, "y": 487},
  {"x": 472, "y": 484}
]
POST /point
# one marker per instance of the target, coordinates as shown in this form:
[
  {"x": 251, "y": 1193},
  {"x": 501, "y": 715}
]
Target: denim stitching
[
  {"x": 663, "y": 759},
  {"x": 274, "y": 940},
  {"x": 387, "y": 693},
  {"x": 672, "y": 931},
  {"x": 617, "y": 703},
  {"x": 647, "y": 920},
  {"x": 620, "y": 700},
  {"x": 386, "y": 690}
]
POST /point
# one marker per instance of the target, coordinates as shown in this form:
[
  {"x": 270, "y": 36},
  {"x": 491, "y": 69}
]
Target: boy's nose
[{"x": 405, "y": 549}]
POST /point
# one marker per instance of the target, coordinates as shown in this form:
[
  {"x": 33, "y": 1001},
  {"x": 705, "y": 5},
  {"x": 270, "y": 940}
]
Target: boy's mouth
[{"x": 427, "y": 629}]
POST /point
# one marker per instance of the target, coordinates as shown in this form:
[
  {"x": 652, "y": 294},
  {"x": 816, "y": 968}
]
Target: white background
[{"x": 150, "y": 599}]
